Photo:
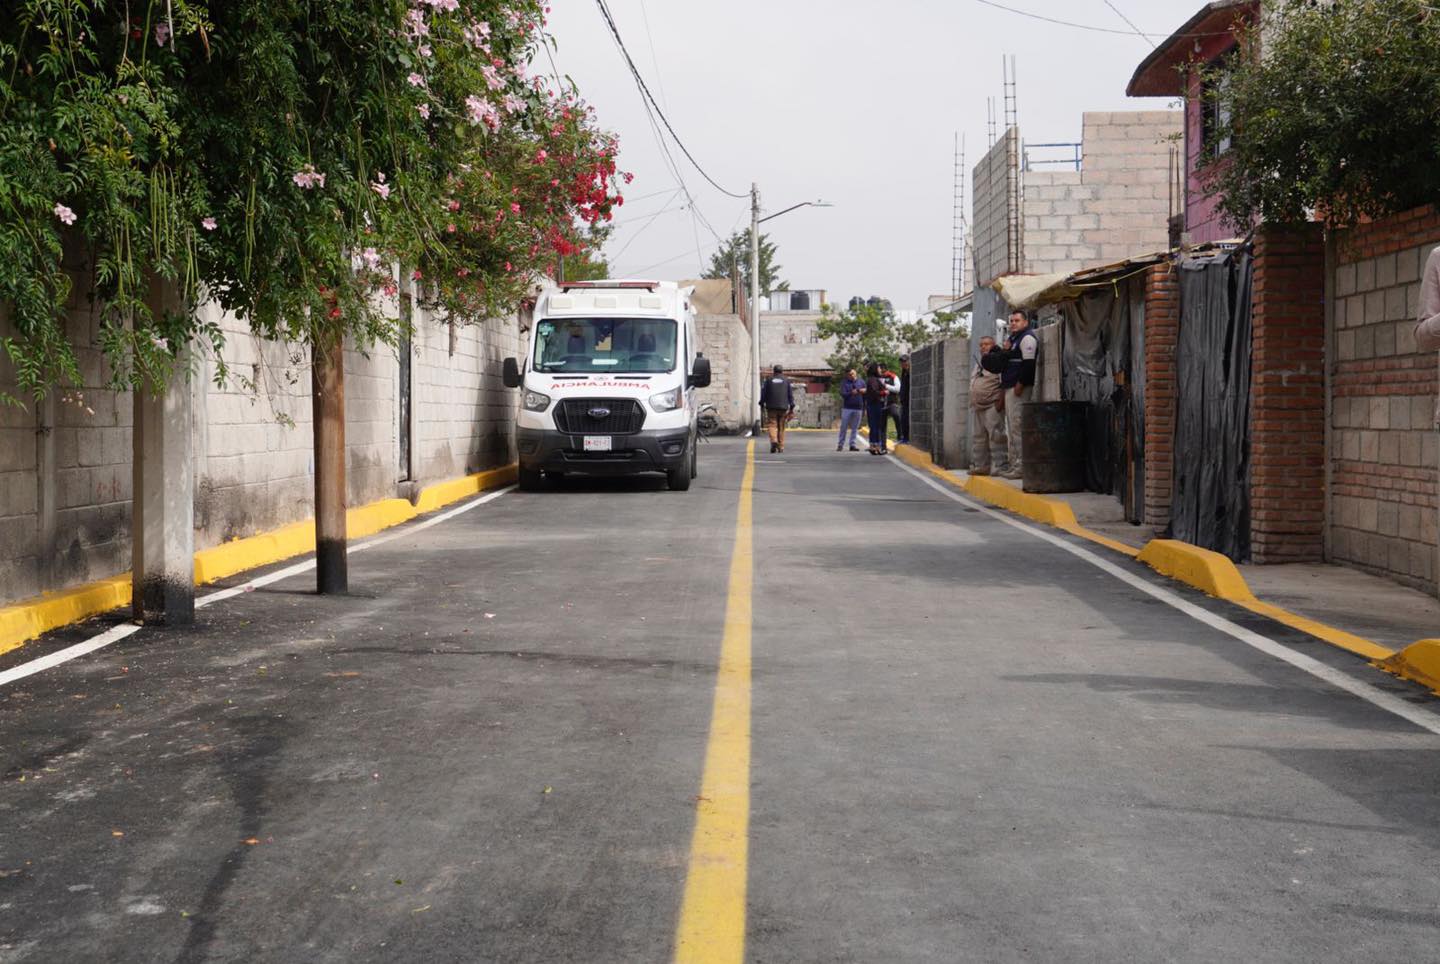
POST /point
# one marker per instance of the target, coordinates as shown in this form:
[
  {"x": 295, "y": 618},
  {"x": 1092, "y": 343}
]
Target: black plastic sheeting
[
  {"x": 1210, "y": 505},
  {"x": 1102, "y": 338}
]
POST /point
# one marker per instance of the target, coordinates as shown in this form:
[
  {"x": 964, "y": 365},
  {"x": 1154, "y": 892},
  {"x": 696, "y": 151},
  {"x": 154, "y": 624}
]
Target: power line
[
  {"x": 1087, "y": 26},
  {"x": 639, "y": 80},
  {"x": 1138, "y": 32}
]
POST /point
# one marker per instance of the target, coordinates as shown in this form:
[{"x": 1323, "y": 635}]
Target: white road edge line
[
  {"x": 117, "y": 633},
  {"x": 1385, "y": 701}
]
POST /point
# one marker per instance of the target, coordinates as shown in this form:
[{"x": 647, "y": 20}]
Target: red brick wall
[
  {"x": 1287, "y": 396},
  {"x": 1162, "y": 328}
]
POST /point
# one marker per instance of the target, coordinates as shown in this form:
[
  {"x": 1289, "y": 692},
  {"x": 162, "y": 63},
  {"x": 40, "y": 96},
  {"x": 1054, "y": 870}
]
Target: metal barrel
[{"x": 1053, "y": 446}]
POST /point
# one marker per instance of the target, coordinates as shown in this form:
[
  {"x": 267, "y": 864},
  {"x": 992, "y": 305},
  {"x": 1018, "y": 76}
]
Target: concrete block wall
[
  {"x": 464, "y": 415},
  {"x": 65, "y": 462},
  {"x": 65, "y": 476},
  {"x": 990, "y": 225},
  {"x": 1115, "y": 207},
  {"x": 1383, "y": 450},
  {"x": 726, "y": 342},
  {"x": 789, "y": 338},
  {"x": 254, "y": 456},
  {"x": 1287, "y": 396}
]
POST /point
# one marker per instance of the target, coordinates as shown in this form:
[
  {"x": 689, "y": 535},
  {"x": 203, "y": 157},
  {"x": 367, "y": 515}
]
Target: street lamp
[{"x": 755, "y": 221}]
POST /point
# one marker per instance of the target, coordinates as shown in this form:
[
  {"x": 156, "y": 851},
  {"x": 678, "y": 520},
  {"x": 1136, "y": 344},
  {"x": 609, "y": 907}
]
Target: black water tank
[
  {"x": 1053, "y": 453},
  {"x": 799, "y": 301}
]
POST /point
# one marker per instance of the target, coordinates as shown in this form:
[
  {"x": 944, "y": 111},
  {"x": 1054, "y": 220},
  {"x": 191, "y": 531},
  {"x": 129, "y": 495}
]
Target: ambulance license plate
[{"x": 597, "y": 443}]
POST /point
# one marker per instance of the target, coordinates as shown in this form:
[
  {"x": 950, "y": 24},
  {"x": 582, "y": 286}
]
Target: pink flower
[
  {"x": 514, "y": 208},
  {"x": 162, "y": 32},
  {"x": 208, "y": 224},
  {"x": 66, "y": 215},
  {"x": 492, "y": 78},
  {"x": 481, "y": 111},
  {"x": 371, "y": 257},
  {"x": 513, "y": 104},
  {"x": 540, "y": 156},
  {"x": 424, "y": 50},
  {"x": 379, "y": 186},
  {"x": 307, "y": 178},
  {"x": 450, "y": 228},
  {"x": 416, "y": 80},
  {"x": 424, "y": 110},
  {"x": 453, "y": 206}
]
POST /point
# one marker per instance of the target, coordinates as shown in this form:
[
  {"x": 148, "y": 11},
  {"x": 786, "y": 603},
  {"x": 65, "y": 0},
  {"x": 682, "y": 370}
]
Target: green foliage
[
  {"x": 281, "y": 157},
  {"x": 734, "y": 254},
  {"x": 863, "y": 332},
  {"x": 932, "y": 328},
  {"x": 1337, "y": 119}
]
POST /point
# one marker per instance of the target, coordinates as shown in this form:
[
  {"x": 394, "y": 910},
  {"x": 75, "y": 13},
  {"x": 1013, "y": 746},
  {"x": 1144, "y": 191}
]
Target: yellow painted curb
[
  {"x": 228, "y": 558},
  {"x": 1358, "y": 645},
  {"x": 29, "y": 618},
  {"x": 1052, "y": 512},
  {"x": 1207, "y": 571},
  {"x": 1210, "y": 572},
  {"x": 1418, "y": 662},
  {"x": 440, "y": 494}
]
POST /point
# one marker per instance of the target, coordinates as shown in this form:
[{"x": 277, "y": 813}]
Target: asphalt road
[{"x": 965, "y": 744}]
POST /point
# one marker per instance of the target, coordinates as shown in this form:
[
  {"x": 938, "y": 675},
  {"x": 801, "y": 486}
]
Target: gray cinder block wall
[
  {"x": 65, "y": 462},
  {"x": 1383, "y": 447}
]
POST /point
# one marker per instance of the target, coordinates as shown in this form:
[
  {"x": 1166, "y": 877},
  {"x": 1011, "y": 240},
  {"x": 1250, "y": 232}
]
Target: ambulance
[{"x": 607, "y": 385}]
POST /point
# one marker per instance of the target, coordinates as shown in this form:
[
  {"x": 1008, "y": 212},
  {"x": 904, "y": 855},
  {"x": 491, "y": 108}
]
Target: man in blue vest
[
  {"x": 1017, "y": 381},
  {"x": 777, "y": 398}
]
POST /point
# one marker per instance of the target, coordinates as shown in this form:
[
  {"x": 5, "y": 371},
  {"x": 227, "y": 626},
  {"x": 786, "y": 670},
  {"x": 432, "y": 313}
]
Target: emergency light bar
[{"x": 647, "y": 285}]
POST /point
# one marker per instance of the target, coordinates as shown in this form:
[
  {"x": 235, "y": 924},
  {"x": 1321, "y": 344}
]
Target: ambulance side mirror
[
  {"x": 700, "y": 374},
  {"x": 510, "y": 373}
]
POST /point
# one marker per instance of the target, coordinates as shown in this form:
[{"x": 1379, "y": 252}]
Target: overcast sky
[{"x": 855, "y": 102}]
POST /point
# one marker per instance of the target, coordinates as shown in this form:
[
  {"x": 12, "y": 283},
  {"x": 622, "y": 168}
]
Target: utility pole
[
  {"x": 327, "y": 388},
  {"x": 755, "y": 299}
]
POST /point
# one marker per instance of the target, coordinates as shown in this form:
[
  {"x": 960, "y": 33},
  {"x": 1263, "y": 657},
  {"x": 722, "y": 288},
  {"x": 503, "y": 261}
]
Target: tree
[
  {"x": 286, "y": 158},
  {"x": 864, "y": 332},
  {"x": 1337, "y": 119},
  {"x": 282, "y": 156},
  {"x": 734, "y": 255},
  {"x": 929, "y": 329}
]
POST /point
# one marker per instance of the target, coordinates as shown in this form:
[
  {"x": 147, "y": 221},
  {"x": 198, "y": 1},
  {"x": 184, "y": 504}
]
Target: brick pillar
[
  {"x": 1287, "y": 396},
  {"x": 1162, "y": 329}
]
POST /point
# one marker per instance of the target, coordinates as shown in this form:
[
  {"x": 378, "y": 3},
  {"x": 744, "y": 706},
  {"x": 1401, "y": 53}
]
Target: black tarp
[
  {"x": 1210, "y": 506},
  {"x": 1095, "y": 368}
]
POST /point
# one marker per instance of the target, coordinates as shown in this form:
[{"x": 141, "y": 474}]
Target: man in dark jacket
[
  {"x": 1018, "y": 379},
  {"x": 852, "y": 409},
  {"x": 777, "y": 398}
]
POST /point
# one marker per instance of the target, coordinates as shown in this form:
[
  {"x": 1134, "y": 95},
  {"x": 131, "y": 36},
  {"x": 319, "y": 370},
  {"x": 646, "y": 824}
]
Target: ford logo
[{"x": 599, "y": 412}]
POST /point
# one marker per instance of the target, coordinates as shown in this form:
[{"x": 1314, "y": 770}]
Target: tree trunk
[{"x": 327, "y": 373}]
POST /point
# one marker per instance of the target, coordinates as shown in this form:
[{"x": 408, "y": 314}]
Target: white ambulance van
[{"x": 607, "y": 384}]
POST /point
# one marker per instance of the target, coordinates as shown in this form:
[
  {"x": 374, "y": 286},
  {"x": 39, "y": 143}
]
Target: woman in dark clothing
[{"x": 875, "y": 402}]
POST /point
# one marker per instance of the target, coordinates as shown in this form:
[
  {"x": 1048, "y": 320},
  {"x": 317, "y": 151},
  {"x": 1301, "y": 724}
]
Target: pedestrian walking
[
  {"x": 777, "y": 398},
  {"x": 902, "y": 427},
  {"x": 1018, "y": 381},
  {"x": 1427, "y": 326},
  {"x": 875, "y": 402},
  {"x": 852, "y": 410},
  {"x": 987, "y": 399}
]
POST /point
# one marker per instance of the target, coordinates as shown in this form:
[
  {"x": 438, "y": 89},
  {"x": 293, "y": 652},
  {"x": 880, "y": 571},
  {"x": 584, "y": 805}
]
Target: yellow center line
[{"x": 712, "y": 915}]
